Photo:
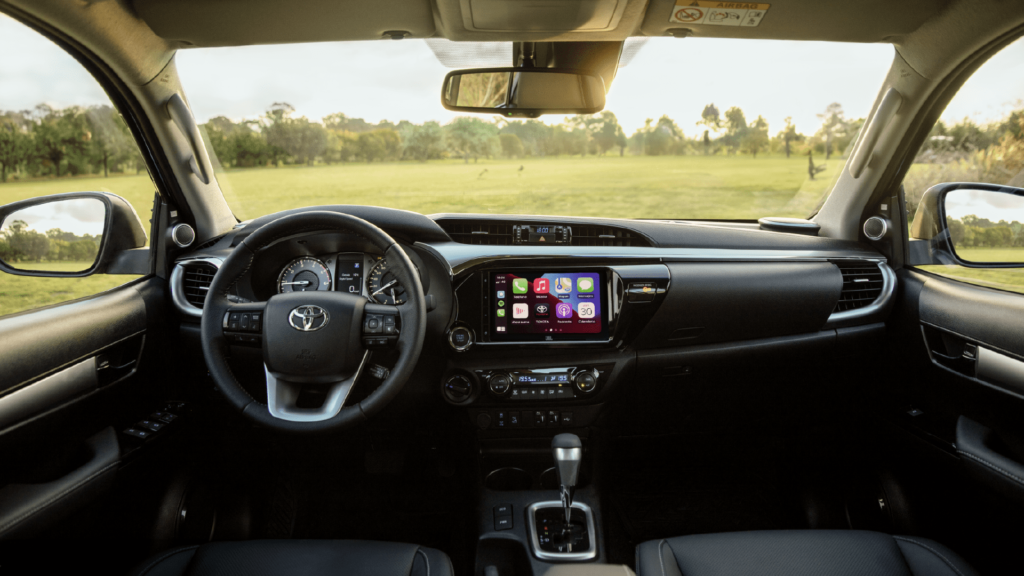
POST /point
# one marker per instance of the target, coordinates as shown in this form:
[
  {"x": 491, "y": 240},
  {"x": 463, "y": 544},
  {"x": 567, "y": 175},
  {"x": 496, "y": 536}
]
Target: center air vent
[
  {"x": 195, "y": 282},
  {"x": 862, "y": 284},
  {"x": 478, "y": 232},
  {"x": 589, "y": 235}
]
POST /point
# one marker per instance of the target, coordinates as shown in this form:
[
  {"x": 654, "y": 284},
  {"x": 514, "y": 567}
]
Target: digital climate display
[{"x": 553, "y": 306}]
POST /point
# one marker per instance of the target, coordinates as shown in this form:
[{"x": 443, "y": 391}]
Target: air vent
[
  {"x": 195, "y": 282},
  {"x": 478, "y": 232},
  {"x": 862, "y": 284},
  {"x": 589, "y": 235}
]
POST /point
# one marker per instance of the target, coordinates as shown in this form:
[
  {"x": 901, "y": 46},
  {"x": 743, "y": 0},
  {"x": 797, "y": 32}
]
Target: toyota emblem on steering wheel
[{"x": 308, "y": 318}]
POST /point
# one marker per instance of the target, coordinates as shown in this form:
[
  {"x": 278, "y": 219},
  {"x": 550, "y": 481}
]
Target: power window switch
[
  {"x": 503, "y": 523},
  {"x": 165, "y": 417},
  {"x": 151, "y": 425},
  {"x": 137, "y": 433}
]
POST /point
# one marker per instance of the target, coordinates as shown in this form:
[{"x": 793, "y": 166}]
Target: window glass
[
  {"x": 58, "y": 133},
  {"x": 700, "y": 128},
  {"x": 980, "y": 138}
]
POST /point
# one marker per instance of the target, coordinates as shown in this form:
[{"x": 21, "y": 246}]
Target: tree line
[
  {"x": 974, "y": 232},
  {"x": 280, "y": 136},
  {"x": 47, "y": 141},
  {"x": 19, "y": 243}
]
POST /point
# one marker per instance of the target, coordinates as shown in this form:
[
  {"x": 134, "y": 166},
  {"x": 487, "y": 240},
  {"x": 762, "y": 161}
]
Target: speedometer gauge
[
  {"x": 304, "y": 274},
  {"x": 383, "y": 286}
]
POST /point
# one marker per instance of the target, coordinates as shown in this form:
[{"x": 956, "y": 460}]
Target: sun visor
[
  {"x": 247, "y": 22},
  {"x": 540, "y": 20},
  {"x": 841, "y": 21}
]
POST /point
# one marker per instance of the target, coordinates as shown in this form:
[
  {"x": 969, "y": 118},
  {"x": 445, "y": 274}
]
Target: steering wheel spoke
[
  {"x": 381, "y": 326},
  {"x": 285, "y": 398},
  {"x": 243, "y": 323}
]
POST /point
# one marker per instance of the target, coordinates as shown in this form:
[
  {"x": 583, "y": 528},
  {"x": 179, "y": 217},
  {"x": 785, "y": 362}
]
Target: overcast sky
[
  {"x": 993, "y": 206},
  {"x": 401, "y": 80}
]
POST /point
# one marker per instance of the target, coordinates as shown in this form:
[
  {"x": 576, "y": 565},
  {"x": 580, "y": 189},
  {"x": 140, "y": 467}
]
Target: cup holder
[{"x": 505, "y": 479}]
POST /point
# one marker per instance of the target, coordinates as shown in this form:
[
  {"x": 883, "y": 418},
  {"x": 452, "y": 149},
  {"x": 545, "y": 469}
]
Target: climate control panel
[{"x": 525, "y": 384}]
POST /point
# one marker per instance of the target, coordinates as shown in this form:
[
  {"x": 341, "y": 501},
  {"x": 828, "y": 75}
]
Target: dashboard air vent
[
  {"x": 862, "y": 284},
  {"x": 478, "y": 232},
  {"x": 196, "y": 282},
  {"x": 590, "y": 235}
]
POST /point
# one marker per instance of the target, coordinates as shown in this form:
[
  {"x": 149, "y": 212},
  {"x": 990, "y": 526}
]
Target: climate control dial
[
  {"x": 499, "y": 384},
  {"x": 457, "y": 388},
  {"x": 585, "y": 381}
]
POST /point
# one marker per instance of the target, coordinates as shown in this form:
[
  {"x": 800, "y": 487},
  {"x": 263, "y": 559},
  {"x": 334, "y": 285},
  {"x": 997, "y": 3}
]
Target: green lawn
[
  {"x": 991, "y": 254},
  {"x": 1010, "y": 279},
  {"x": 715, "y": 187}
]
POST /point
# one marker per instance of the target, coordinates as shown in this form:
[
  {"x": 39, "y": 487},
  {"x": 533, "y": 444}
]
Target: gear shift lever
[{"x": 568, "y": 452}]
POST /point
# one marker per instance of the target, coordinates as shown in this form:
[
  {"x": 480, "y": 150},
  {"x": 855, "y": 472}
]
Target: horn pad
[{"x": 313, "y": 337}]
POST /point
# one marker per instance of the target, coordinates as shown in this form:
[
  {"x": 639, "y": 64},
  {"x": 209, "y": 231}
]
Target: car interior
[{"x": 345, "y": 388}]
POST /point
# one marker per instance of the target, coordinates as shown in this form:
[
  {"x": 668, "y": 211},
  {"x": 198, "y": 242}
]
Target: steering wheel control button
[
  {"x": 374, "y": 324},
  {"x": 460, "y": 338},
  {"x": 499, "y": 384}
]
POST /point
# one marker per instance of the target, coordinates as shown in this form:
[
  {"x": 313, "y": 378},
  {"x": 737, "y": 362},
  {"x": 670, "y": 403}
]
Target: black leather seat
[
  {"x": 299, "y": 558},
  {"x": 798, "y": 553}
]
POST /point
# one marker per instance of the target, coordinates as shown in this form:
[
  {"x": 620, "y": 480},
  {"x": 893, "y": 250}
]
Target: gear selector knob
[{"x": 568, "y": 452}]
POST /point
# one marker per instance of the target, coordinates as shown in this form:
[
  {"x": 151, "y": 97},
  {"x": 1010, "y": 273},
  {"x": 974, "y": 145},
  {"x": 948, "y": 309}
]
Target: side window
[
  {"x": 980, "y": 138},
  {"x": 58, "y": 133}
]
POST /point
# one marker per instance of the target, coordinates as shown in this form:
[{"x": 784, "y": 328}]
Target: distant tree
[
  {"x": 472, "y": 137},
  {"x": 735, "y": 128},
  {"x": 832, "y": 122},
  {"x": 756, "y": 137},
  {"x": 342, "y": 146},
  {"x": 711, "y": 119},
  {"x": 534, "y": 135},
  {"x": 15, "y": 145},
  {"x": 789, "y": 135},
  {"x": 298, "y": 138},
  {"x": 511, "y": 145},
  {"x": 339, "y": 122},
  {"x": 60, "y": 133},
  {"x": 422, "y": 142},
  {"x": 111, "y": 140}
]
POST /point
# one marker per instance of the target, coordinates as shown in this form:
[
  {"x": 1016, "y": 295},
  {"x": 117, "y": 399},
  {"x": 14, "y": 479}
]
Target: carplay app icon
[
  {"x": 501, "y": 293},
  {"x": 586, "y": 310},
  {"x": 584, "y": 284},
  {"x": 542, "y": 310},
  {"x": 520, "y": 310},
  {"x": 563, "y": 285},
  {"x": 563, "y": 310},
  {"x": 501, "y": 312},
  {"x": 520, "y": 285},
  {"x": 540, "y": 286}
]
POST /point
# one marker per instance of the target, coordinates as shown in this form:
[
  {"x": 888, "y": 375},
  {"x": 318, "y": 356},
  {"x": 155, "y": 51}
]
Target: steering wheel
[{"x": 317, "y": 340}]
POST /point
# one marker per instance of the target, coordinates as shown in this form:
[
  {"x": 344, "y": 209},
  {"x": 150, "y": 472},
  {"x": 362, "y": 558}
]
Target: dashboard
[{"x": 536, "y": 322}]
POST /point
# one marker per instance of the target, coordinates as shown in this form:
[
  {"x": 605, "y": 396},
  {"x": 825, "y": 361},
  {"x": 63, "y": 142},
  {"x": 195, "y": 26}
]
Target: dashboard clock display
[
  {"x": 304, "y": 274},
  {"x": 382, "y": 285}
]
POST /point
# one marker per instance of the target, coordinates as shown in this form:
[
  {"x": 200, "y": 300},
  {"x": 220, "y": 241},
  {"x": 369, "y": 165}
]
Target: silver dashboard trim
[
  {"x": 888, "y": 289},
  {"x": 282, "y": 396},
  {"x": 67, "y": 384},
  {"x": 531, "y": 522},
  {"x": 177, "y": 290}
]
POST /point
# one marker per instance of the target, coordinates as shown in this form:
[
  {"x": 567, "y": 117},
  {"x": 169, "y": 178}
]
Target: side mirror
[
  {"x": 969, "y": 224},
  {"x": 71, "y": 235},
  {"x": 519, "y": 92}
]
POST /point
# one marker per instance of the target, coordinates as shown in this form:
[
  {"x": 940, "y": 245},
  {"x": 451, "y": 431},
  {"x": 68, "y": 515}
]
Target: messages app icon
[
  {"x": 520, "y": 285},
  {"x": 584, "y": 284}
]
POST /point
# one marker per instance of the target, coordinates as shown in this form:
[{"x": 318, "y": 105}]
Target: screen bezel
[{"x": 605, "y": 280}]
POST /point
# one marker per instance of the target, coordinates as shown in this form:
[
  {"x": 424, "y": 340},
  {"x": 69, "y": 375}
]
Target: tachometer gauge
[
  {"x": 304, "y": 274},
  {"x": 382, "y": 285}
]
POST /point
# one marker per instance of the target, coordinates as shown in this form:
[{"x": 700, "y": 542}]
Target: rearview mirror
[
  {"x": 971, "y": 224},
  {"x": 519, "y": 92}
]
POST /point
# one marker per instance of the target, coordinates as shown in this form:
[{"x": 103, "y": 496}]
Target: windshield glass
[{"x": 692, "y": 129}]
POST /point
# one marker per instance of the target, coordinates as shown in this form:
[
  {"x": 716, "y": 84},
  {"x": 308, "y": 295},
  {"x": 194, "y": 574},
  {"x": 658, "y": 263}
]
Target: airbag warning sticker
[{"x": 718, "y": 13}]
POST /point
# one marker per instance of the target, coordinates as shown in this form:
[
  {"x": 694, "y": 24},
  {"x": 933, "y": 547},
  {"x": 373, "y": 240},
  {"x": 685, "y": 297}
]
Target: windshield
[{"x": 692, "y": 129}]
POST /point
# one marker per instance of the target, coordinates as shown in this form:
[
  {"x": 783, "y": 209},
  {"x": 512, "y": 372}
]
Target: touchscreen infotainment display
[{"x": 540, "y": 305}]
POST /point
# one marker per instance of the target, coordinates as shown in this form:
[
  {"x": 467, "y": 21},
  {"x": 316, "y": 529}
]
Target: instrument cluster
[{"x": 352, "y": 272}]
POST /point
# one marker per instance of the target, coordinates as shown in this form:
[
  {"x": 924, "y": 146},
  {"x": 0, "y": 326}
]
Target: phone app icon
[
  {"x": 542, "y": 310},
  {"x": 520, "y": 310},
  {"x": 520, "y": 285},
  {"x": 540, "y": 286},
  {"x": 563, "y": 310},
  {"x": 501, "y": 293},
  {"x": 587, "y": 310},
  {"x": 584, "y": 284},
  {"x": 563, "y": 285},
  {"x": 501, "y": 313}
]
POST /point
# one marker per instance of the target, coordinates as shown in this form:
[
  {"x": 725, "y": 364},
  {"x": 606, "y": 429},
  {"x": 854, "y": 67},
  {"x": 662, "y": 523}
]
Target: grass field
[{"x": 1010, "y": 279}]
